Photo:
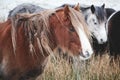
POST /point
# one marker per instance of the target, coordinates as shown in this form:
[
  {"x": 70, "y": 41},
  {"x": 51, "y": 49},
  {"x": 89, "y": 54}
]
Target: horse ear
[
  {"x": 66, "y": 9},
  {"x": 103, "y": 6},
  {"x": 77, "y": 7},
  {"x": 92, "y": 8}
]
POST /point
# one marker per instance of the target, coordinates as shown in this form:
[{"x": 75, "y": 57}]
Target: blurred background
[{"x": 7, "y": 5}]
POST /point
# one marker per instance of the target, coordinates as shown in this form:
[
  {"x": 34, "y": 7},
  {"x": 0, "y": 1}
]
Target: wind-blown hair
[{"x": 36, "y": 26}]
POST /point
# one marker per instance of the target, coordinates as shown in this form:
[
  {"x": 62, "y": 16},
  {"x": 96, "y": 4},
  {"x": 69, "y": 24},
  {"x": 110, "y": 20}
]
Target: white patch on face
[
  {"x": 85, "y": 44},
  {"x": 97, "y": 29},
  {"x": 102, "y": 36}
]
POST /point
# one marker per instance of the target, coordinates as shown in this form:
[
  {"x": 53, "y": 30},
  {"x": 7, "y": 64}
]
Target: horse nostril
[
  {"x": 87, "y": 53},
  {"x": 101, "y": 40}
]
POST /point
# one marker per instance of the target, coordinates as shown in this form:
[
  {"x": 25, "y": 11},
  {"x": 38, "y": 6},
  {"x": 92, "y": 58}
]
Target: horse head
[
  {"x": 71, "y": 32},
  {"x": 96, "y": 18}
]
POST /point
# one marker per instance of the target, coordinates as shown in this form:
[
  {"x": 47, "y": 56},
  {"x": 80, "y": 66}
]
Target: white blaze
[
  {"x": 102, "y": 36},
  {"x": 86, "y": 46},
  {"x": 96, "y": 28}
]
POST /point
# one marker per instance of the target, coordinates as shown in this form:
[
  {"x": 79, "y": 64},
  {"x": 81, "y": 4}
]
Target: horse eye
[{"x": 72, "y": 29}]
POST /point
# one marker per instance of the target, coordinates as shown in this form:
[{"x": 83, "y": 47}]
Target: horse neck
[
  {"x": 5, "y": 31},
  {"x": 30, "y": 45},
  {"x": 22, "y": 42}
]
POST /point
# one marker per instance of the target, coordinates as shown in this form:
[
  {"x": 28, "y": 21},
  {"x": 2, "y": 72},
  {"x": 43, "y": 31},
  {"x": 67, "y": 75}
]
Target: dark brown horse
[
  {"x": 27, "y": 40},
  {"x": 113, "y": 27}
]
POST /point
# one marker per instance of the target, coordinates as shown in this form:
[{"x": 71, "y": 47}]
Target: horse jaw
[{"x": 86, "y": 46}]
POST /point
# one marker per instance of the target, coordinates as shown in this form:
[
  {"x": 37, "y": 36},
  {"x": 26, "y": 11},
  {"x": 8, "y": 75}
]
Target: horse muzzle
[{"x": 85, "y": 55}]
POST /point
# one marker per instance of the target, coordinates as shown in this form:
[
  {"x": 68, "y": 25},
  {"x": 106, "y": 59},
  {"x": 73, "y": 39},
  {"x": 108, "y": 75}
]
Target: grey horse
[{"x": 25, "y": 8}]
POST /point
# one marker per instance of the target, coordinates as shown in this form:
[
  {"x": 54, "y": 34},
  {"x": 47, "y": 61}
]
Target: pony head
[
  {"x": 96, "y": 19},
  {"x": 71, "y": 33}
]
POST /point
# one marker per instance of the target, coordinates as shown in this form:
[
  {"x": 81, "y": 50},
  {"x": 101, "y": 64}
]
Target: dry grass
[{"x": 97, "y": 68}]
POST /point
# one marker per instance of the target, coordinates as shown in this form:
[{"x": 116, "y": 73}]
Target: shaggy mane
[{"x": 37, "y": 27}]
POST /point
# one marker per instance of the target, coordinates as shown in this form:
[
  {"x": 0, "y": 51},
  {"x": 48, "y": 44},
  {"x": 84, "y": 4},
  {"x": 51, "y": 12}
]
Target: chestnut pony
[{"x": 27, "y": 40}]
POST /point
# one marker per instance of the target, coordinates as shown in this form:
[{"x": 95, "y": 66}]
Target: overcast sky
[{"x": 7, "y": 5}]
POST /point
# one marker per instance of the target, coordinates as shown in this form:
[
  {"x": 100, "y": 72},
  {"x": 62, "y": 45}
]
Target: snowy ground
[{"x": 7, "y": 5}]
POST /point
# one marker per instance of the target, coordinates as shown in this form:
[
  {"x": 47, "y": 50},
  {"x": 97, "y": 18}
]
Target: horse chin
[
  {"x": 86, "y": 55},
  {"x": 84, "y": 58}
]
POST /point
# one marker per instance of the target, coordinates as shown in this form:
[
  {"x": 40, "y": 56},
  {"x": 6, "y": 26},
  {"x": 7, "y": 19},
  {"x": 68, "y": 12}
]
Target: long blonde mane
[
  {"x": 78, "y": 19},
  {"x": 37, "y": 27}
]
